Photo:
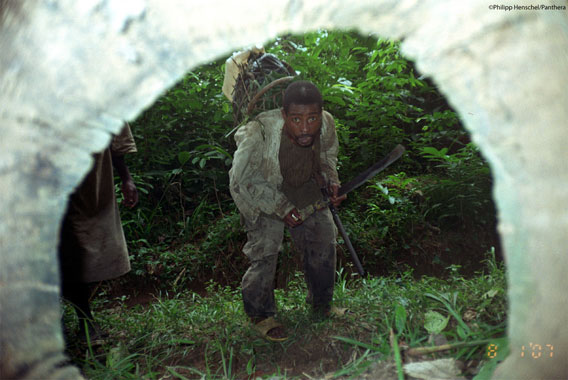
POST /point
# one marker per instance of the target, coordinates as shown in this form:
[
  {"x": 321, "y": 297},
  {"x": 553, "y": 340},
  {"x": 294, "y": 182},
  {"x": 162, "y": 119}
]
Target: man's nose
[{"x": 304, "y": 127}]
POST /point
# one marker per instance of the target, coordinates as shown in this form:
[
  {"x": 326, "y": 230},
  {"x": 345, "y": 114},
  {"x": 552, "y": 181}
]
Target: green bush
[{"x": 378, "y": 100}]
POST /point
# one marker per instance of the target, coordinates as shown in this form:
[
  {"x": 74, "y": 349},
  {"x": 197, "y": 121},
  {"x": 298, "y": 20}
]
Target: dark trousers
[{"x": 315, "y": 238}]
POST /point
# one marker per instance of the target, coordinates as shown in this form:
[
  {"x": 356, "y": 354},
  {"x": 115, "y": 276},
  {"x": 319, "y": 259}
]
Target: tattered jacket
[{"x": 255, "y": 177}]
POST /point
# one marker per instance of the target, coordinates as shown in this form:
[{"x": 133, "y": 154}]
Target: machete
[
  {"x": 372, "y": 171},
  {"x": 394, "y": 155}
]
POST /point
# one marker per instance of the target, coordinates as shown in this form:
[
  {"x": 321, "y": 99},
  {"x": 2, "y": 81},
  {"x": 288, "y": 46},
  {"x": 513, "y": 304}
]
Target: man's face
[{"x": 302, "y": 123}]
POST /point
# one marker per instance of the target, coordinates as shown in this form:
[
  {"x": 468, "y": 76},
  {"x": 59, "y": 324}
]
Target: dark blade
[{"x": 372, "y": 171}]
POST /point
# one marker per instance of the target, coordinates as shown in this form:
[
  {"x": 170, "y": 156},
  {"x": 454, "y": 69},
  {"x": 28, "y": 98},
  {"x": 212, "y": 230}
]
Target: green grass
[{"x": 188, "y": 336}]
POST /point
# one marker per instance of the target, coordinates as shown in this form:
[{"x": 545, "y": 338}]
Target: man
[
  {"x": 283, "y": 160},
  {"x": 92, "y": 244}
]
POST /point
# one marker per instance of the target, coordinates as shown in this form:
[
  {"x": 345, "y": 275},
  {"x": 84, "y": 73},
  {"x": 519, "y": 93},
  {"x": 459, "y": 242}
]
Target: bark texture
[{"x": 71, "y": 72}]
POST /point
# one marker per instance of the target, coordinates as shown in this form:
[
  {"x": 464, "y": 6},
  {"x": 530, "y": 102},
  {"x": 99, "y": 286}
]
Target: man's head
[{"x": 302, "y": 112}]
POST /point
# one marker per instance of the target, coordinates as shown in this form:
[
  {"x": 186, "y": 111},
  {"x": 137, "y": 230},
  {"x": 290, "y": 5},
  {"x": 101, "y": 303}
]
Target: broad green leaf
[
  {"x": 435, "y": 322},
  {"x": 335, "y": 99},
  {"x": 183, "y": 157}
]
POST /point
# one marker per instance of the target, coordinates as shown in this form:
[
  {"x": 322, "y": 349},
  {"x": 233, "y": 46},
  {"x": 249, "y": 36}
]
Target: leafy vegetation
[
  {"x": 423, "y": 225},
  {"x": 415, "y": 214},
  {"x": 183, "y": 335}
]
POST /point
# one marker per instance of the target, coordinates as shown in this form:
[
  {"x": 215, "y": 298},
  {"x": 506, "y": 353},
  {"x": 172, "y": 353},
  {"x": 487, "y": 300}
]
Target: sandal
[
  {"x": 330, "y": 311},
  {"x": 337, "y": 311},
  {"x": 271, "y": 330}
]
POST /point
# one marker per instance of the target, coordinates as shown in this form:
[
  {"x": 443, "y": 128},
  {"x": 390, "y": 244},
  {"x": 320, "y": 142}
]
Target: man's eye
[
  {"x": 312, "y": 119},
  {"x": 296, "y": 120}
]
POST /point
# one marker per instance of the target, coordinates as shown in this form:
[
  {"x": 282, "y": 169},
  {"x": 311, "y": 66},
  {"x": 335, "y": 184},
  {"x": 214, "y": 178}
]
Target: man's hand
[
  {"x": 130, "y": 193},
  {"x": 334, "y": 199},
  {"x": 128, "y": 187},
  {"x": 293, "y": 219}
]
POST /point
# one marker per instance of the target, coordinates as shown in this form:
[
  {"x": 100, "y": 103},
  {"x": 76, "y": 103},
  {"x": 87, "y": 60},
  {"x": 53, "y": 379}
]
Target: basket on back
[{"x": 259, "y": 83}]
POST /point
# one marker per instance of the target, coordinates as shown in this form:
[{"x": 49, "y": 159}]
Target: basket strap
[{"x": 259, "y": 94}]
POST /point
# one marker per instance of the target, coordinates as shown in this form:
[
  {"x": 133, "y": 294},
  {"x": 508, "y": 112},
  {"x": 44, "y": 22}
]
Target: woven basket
[{"x": 260, "y": 86}]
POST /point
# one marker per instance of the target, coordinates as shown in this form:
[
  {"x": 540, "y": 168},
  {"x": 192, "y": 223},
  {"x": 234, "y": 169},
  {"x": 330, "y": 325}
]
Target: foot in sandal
[
  {"x": 328, "y": 311},
  {"x": 270, "y": 329}
]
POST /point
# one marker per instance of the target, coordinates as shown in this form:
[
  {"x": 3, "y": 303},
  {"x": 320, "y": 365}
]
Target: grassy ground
[{"x": 184, "y": 335}]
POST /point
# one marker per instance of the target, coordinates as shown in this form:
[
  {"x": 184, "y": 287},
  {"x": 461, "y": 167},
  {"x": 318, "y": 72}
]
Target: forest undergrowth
[{"x": 391, "y": 321}]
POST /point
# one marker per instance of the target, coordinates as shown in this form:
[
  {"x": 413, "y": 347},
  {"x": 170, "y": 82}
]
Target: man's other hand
[
  {"x": 130, "y": 193},
  {"x": 293, "y": 218},
  {"x": 334, "y": 199}
]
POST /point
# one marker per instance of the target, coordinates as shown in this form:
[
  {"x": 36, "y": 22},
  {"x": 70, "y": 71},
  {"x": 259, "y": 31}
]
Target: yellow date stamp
[{"x": 531, "y": 350}]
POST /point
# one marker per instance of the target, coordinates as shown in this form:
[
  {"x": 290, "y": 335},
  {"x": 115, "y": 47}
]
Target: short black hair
[{"x": 302, "y": 92}]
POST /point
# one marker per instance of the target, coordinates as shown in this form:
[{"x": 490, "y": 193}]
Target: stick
[
  {"x": 418, "y": 351},
  {"x": 347, "y": 241}
]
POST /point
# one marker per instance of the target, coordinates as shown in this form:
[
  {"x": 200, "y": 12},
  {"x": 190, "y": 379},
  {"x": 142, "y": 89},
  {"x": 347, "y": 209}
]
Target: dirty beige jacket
[{"x": 255, "y": 177}]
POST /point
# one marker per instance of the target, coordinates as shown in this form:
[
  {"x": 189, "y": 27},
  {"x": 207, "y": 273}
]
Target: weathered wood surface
[{"x": 72, "y": 71}]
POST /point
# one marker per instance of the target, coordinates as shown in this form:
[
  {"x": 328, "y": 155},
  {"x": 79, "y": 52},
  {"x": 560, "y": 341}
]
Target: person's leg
[
  {"x": 315, "y": 238},
  {"x": 78, "y": 294},
  {"x": 73, "y": 289},
  {"x": 264, "y": 239}
]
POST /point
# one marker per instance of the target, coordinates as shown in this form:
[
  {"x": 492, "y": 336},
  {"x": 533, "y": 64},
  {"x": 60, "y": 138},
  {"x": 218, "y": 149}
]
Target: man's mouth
[{"x": 305, "y": 140}]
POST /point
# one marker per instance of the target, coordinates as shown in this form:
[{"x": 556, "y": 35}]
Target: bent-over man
[{"x": 283, "y": 159}]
